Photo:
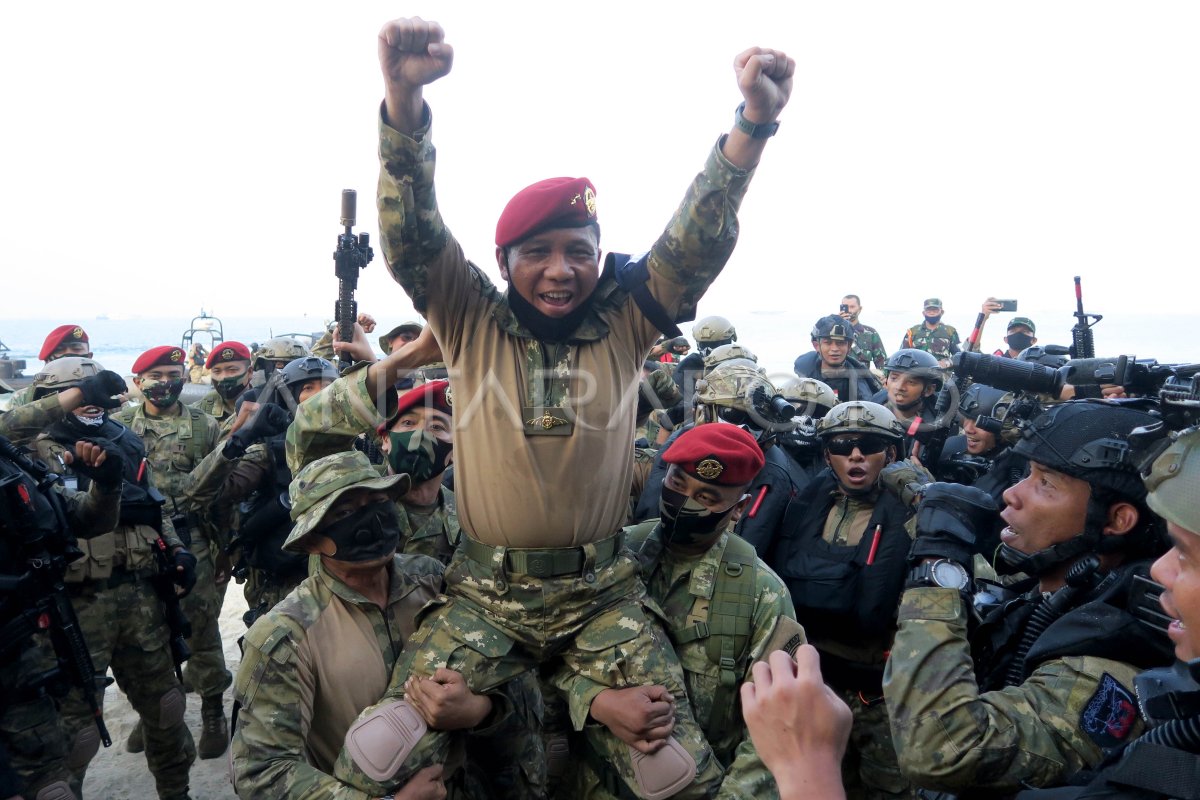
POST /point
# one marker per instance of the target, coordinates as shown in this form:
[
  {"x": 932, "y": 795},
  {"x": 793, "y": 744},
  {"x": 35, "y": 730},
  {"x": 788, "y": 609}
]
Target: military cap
[
  {"x": 552, "y": 203},
  {"x": 833, "y": 327},
  {"x": 717, "y": 453},
  {"x": 63, "y": 334},
  {"x": 1174, "y": 482},
  {"x": 385, "y": 341},
  {"x": 318, "y": 487},
  {"x": 1026, "y": 321},
  {"x": 163, "y": 356},
  {"x": 933, "y": 302},
  {"x": 226, "y": 352}
]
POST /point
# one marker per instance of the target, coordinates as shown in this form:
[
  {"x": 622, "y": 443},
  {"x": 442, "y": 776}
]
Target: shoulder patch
[{"x": 1110, "y": 714}]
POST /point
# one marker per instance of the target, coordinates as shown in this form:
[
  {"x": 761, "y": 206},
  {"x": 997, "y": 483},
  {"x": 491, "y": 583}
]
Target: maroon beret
[
  {"x": 552, "y": 203},
  {"x": 718, "y": 453},
  {"x": 59, "y": 336},
  {"x": 432, "y": 394},
  {"x": 226, "y": 352},
  {"x": 166, "y": 356}
]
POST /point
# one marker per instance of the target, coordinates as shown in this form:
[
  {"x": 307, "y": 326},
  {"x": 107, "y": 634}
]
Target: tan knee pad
[
  {"x": 57, "y": 790},
  {"x": 171, "y": 707},
  {"x": 664, "y": 773},
  {"x": 83, "y": 748},
  {"x": 380, "y": 742}
]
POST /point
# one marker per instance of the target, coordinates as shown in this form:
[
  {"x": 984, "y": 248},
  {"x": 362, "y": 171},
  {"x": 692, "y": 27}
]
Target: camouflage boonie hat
[
  {"x": 1174, "y": 482},
  {"x": 320, "y": 484},
  {"x": 385, "y": 341}
]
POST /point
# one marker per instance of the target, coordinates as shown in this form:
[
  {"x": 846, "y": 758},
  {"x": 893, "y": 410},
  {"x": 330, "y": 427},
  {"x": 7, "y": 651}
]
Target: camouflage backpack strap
[{"x": 727, "y": 630}]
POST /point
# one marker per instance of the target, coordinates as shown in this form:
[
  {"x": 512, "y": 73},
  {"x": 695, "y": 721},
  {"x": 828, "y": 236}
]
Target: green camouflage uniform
[
  {"x": 503, "y": 616},
  {"x": 22, "y": 424},
  {"x": 20, "y": 397},
  {"x": 123, "y": 623},
  {"x": 175, "y": 445},
  {"x": 215, "y": 406},
  {"x": 288, "y": 675},
  {"x": 950, "y": 736},
  {"x": 941, "y": 341},
  {"x": 683, "y": 587},
  {"x": 868, "y": 347}
]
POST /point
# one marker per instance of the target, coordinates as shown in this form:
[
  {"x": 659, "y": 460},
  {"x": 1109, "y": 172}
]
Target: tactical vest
[
  {"x": 837, "y": 594},
  {"x": 266, "y": 521},
  {"x": 189, "y": 450},
  {"x": 724, "y": 621}
]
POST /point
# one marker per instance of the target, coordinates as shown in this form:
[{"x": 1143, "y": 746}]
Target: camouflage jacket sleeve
[
  {"x": 245, "y": 477},
  {"x": 93, "y": 512},
  {"x": 268, "y": 749},
  {"x": 206, "y": 479},
  {"x": 22, "y": 424},
  {"x": 323, "y": 347},
  {"x": 949, "y": 736},
  {"x": 329, "y": 422}
]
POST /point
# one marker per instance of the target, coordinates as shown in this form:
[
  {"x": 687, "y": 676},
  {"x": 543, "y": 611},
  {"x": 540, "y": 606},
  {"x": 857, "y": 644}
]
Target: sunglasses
[{"x": 867, "y": 445}]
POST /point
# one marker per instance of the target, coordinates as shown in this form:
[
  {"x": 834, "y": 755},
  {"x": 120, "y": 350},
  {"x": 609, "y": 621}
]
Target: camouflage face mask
[
  {"x": 163, "y": 393},
  {"x": 230, "y": 388},
  {"x": 418, "y": 454}
]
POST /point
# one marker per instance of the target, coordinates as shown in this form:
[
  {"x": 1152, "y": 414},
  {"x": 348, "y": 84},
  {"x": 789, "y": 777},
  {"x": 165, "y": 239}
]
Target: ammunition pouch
[{"x": 99, "y": 553}]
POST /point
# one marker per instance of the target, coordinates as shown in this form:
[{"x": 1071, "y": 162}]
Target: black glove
[
  {"x": 268, "y": 421},
  {"x": 108, "y": 475},
  {"x": 187, "y": 578},
  {"x": 98, "y": 389},
  {"x": 948, "y": 518}
]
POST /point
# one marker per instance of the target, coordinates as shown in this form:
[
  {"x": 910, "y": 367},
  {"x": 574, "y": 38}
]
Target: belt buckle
[{"x": 540, "y": 565}]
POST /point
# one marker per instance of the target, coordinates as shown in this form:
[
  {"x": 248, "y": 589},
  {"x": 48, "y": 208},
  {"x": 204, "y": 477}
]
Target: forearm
[
  {"x": 276, "y": 773},
  {"x": 95, "y": 511},
  {"x": 22, "y": 424},
  {"x": 747, "y": 777},
  {"x": 329, "y": 422},
  {"x": 383, "y": 374},
  {"x": 201, "y": 486}
]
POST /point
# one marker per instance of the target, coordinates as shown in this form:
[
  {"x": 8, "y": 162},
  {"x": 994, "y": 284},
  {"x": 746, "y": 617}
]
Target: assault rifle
[
  {"x": 1083, "y": 341},
  {"x": 177, "y": 622},
  {"x": 352, "y": 254},
  {"x": 38, "y": 593}
]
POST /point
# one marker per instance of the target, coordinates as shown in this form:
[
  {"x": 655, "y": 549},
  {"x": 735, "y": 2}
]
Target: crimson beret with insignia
[
  {"x": 163, "y": 356},
  {"x": 718, "y": 453},
  {"x": 433, "y": 394},
  {"x": 226, "y": 352},
  {"x": 552, "y": 203},
  {"x": 61, "y": 335}
]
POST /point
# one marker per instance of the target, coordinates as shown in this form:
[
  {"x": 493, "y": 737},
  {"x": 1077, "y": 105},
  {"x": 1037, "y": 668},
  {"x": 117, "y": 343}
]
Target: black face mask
[
  {"x": 544, "y": 328},
  {"x": 230, "y": 388},
  {"x": 1018, "y": 341},
  {"x": 686, "y": 522},
  {"x": 370, "y": 532},
  {"x": 934, "y": 320}
]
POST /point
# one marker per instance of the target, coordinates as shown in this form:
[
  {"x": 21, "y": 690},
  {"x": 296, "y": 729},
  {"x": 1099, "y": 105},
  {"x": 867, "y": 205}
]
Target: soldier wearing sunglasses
[{"x": 842, "y": 552}]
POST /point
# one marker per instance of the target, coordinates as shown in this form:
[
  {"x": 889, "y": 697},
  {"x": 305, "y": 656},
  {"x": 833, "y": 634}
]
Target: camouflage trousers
[
  {"x": 206, "y": 671},
  {"x": 870, "y": 770},
  {"x": 31, "y": 732},
  {"x": 125, "y": 629},
  {"x": 495, "y": 625}
]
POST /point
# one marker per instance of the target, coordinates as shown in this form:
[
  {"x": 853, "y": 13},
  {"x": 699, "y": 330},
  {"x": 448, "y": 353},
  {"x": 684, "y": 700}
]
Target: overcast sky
[{"x": 162, "y": 156}]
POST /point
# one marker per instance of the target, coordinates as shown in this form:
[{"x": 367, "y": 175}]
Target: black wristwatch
[
  {"x": 943, "y": 572},
  {"x": 764, "y": 131}
]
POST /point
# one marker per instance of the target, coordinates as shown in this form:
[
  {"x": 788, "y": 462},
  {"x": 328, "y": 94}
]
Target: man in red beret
[
  {"x": 177, "y": 438},
  {"x": 65, "y": 340},
  {"x": 720, "y": 601},
  {"x": 229, "y": 367},
  {"x": 545, "y": 383}
]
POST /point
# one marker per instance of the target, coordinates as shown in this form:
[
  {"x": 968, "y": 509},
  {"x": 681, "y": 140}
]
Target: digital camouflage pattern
[
  {"x": 682, "y": 587},
  {"x": 175, "y": 444},
  {"x": 941, "y": 341},
  {"x": 497, "y": 624},
  {"x": 329, "y": 422},
  {"x": 435, "y": 534},
  {"x": 31, "y": 732},
  {"x": 215, "y": 406},
  {"x": 868, "y": 347},
  {"x": 309, "y": 664},
  {"x": 950, "y": 736}
]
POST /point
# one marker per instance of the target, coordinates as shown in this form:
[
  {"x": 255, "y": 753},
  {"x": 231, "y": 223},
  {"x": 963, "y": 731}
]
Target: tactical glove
[
  {"x": 906, "y": 480},
  {"x": 108, "y": 475},
  {"x": 98, "y": 389},
  {"x": 185, "y": 578},
  {"x": 948, "y": 518},
  {"x": 268, "y": 421}
]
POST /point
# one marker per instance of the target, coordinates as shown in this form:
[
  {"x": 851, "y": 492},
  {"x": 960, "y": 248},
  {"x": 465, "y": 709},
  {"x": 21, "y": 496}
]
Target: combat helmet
[
  {"x": 1173, "y": 479},
  {"x": 738, "y": 392},
  {"x": 282, "y": 348},
  {"x": 860, "y": 416},
  {"x": 989, "y": 408},
  {"x": 301, "y": 370},
  {"x": 812, "y": 397},
  {"x": 729, "y": 352},
  {"x": 833, "y": 327},
  {"x": 917, "y": 363},
  {"x": 63, "y": 373},
  {"x": 713, "y": 332}
]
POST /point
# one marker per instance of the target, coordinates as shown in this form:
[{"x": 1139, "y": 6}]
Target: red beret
[
  {"x": 226, "y": 352},
  {"x": 552, "y": 203},
  {"x": 432, "y": 394},
  {"x": 718, "y": 453},
  {"x": 61, "y": 335},
  {"x": 166, "y": 355}
]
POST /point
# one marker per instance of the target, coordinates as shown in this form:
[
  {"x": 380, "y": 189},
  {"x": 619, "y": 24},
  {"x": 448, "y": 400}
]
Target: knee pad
[
  {"x": 380, "y": 742},
  {"x": 56, "y": 791},
  {"x": 83, "y": 749},
  {"x": 170, "y": 707},
  {"x": 662, "y": 774}
]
